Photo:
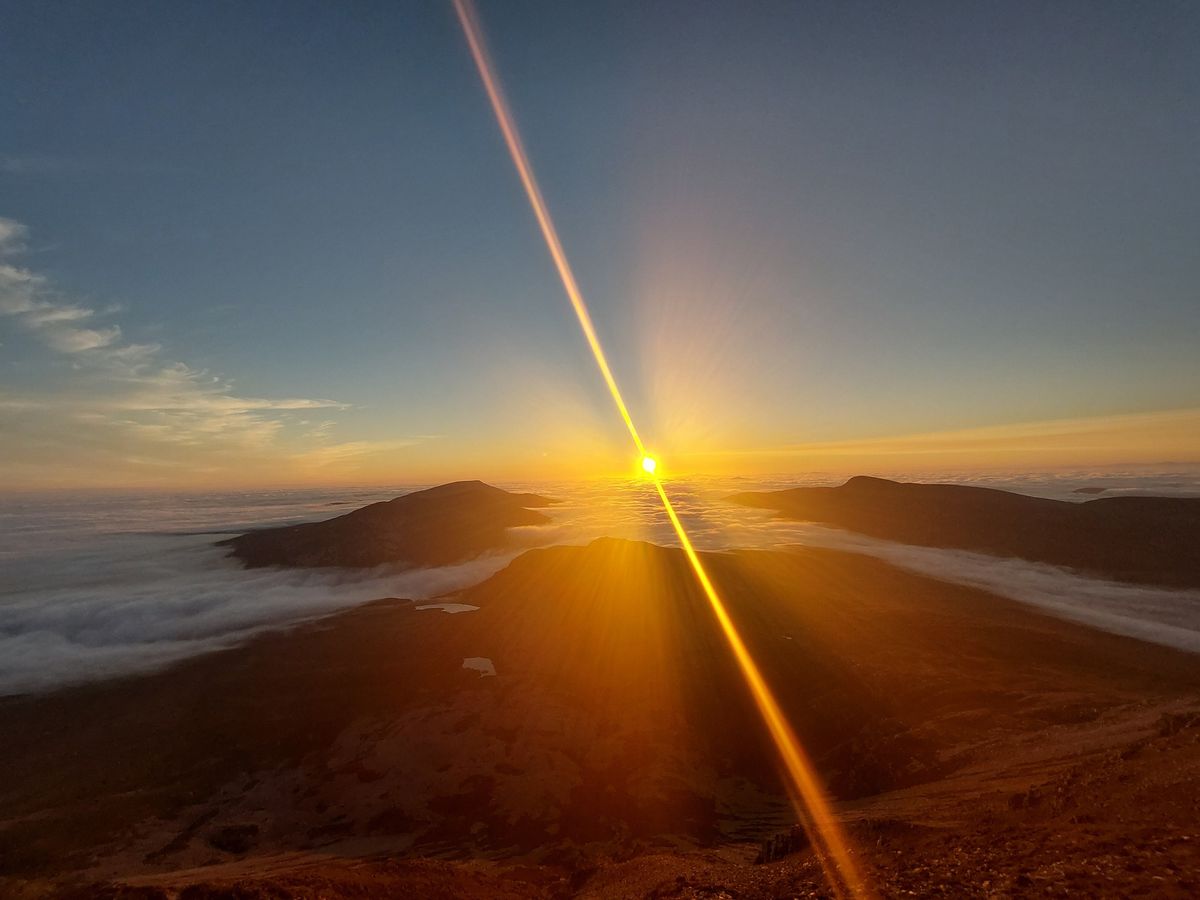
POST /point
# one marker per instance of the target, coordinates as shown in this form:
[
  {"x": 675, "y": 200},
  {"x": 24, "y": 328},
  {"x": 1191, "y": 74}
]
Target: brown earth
[{"x": 975, "y": 747}]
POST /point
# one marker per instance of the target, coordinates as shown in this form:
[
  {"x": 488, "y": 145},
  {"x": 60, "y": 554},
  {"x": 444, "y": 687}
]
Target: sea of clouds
[
  {"x": 96, "y": 587},
  {"x": 87, "y": 592}
]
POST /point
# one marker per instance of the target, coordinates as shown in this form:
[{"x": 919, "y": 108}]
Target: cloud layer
[
  {"x": 134, "y": 603},
  {"x": 107, "y": 410},
  {"x": 83, "y": 597}
]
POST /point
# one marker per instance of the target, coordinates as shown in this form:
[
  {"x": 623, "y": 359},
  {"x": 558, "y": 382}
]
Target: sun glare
[{"x": 816, "y": 815}]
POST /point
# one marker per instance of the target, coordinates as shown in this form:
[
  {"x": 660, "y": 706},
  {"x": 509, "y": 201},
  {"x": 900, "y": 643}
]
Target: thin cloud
[
  {"x": 12, "y": 236},
  {"x": 122, "y": 410},
  {"x": 76, "y": 340}
]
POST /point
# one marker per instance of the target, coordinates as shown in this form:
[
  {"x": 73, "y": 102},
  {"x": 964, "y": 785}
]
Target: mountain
[
  {"x": 616, "y": 751},
  {"x": 1147, "y": 540},
  {"x": 435, "y": 527}
]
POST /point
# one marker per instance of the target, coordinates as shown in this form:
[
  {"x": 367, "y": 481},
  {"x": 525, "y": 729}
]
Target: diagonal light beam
[
  {"x": 824, "y": 830},
  {"x": 470, "y": 24}
]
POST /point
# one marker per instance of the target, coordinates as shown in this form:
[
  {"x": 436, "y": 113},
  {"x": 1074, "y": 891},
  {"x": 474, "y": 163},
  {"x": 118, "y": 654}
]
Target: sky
[{"x": 282, "y": 243}]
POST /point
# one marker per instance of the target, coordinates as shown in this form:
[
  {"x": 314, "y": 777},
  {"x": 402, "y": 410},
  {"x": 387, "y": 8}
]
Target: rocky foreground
[{"x": 976, "y": 747}]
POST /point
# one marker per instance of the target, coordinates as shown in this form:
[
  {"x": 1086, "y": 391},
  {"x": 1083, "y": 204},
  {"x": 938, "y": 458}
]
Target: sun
[{"x": 649, "y": 464}]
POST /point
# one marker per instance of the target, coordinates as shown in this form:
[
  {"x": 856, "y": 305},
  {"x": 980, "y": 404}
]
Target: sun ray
[{"x": 826, "y": 834}]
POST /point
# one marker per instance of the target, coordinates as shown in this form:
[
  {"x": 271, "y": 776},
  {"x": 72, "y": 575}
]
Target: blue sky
[{"x": 796, "y": 224}]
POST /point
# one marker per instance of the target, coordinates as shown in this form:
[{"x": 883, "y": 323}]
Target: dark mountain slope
[
  {"x": 435, "y": 527},
  {"x": 1149, "y": 540}
]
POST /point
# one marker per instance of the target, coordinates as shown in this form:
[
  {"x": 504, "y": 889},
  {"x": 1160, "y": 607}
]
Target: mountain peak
[{"x": 433, "y": 527}]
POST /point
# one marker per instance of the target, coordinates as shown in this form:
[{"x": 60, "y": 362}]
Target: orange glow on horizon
[{"x": 825, "y": 833}]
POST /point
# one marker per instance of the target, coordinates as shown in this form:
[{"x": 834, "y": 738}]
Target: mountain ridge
[
  {"x": 1143, "y": 540},
  {"x": 437, "y": 526}
]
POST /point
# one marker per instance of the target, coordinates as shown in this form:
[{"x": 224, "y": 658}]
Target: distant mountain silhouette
[
  {"x": 1150, "y": 540},
  {"x": 435, "y": 527}
]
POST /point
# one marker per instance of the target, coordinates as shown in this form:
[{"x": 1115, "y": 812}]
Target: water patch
[
  {"x": 480, "y": 664},
  {"x": 451, "y": 608}
]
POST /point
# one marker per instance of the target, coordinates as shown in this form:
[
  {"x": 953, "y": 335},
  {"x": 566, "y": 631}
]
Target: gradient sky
[{"x": 275, "y": 243}]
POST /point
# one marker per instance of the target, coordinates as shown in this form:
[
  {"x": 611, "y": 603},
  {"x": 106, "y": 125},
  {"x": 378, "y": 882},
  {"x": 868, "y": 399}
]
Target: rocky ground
[{"x": 975, "y": 748}]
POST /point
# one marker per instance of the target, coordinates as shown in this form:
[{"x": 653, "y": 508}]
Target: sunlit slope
[{"x": 614, "y": 720}]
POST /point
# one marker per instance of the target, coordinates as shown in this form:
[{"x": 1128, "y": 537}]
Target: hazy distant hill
[
  {"x": 1154, "y": 540},
  {"x": 434, "y": 527}
]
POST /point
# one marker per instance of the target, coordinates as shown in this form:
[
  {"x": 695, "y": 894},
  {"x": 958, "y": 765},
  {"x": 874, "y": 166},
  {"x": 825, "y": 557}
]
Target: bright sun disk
[{"x": 649, "y": 463}]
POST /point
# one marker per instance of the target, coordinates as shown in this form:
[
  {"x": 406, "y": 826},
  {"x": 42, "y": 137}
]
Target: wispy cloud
[
  {"x": 335, "y": 454},
  {"x": 26, "y": 297},
  {"x": 122, "y": 410},
  {"x": 12, "y": 236}
]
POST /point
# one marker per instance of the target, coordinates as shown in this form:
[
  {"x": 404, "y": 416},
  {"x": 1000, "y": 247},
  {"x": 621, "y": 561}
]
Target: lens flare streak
[
  {"x": 823, "y": 829},
  {"x": 827, "y": 836},
  {"x": 512, "y": 138}
]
